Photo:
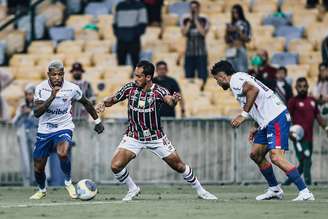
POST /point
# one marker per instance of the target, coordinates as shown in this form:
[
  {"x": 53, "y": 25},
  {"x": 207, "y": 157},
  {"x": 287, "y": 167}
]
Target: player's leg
[
  {"x": 40, "y": 177},
  {"x": 300, "y": 157},
  {"x": 278, "y": 130},
  {"x": 307, "y": 147},
  {"x": 62, "y": 142},
  {"x": 128, "y": 149},
  {"x": 174, "y": 161},
  {"x": 274, "y": 191}
]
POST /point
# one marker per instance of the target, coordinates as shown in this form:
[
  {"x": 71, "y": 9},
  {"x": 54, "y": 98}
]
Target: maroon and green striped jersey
[{"x": 143, "y": 110}]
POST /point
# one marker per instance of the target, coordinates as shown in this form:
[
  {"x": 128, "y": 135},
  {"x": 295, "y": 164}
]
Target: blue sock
[
  {"x": 40, "y": 179},
  {"x": 295, "y": 177},
  {"x": 66, "y": 168},
  {"x": 268, "y": 174}
]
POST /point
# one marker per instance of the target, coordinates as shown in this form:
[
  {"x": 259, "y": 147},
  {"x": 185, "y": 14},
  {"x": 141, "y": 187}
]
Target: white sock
[
  {"x": 124, "y": 177},
  {"x": 306, "y": 190},
  {"x": 188, "y": 176},
  {"x": 275, "y": 188},
  {"x": 68, "y": 183},
  {"x": 43, "y": 190}
]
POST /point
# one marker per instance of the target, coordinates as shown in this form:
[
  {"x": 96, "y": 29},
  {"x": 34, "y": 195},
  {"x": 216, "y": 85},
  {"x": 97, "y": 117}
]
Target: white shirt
[
  {"x": 267, "y": 105},
  {"x": 58, "y": 116}
]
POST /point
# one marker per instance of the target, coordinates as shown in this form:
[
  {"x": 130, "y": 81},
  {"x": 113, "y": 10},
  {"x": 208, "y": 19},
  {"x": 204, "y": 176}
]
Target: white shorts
[{"x": 161, "y": 147}]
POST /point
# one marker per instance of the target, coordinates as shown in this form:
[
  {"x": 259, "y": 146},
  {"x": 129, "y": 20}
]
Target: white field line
[{"x": 61, "y": 204}]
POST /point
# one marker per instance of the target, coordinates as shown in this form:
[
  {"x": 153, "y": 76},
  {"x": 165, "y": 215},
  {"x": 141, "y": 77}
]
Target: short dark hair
[
  {"x": 148, "y": 67},
  {"x": 195, "y": 2},
  {"x": 161, "y": 63},
  {"x": 223, "y": 66},
  {"x": 301, "y": 79},
  {"x": 323, "y": 64},
  {"x": 283, "y": 68}
]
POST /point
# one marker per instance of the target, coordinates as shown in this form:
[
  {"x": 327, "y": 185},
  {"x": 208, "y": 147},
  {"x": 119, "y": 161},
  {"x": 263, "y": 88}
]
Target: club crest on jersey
[
  {"x": 142, "y": 103},
  {"x": 312, "y": 103}
]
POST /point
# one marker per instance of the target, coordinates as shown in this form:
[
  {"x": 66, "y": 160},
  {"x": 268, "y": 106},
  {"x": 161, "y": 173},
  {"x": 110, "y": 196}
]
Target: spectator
[
  {"x": 324, "y": 50},
  {"x": 238, "y": 33},
  {"x": 154, "y": 14},
  {"x": 263, "y": 71},
  {"x": 320, "y": 90},
  {"x": 195, "y": 27},
  {"x": 93, "y": 25},
  {"x": 26, "y": 124},
  {"x": 130, "y": 21},
  {"x": 78, "y": 111},
  {"x": 282, "y": 88},
  {"x": 298, "y": 107},
  {"x": 169, "y": 83}
]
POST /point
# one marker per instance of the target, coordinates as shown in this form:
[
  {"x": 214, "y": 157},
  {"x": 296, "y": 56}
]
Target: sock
[
  {"x": 268, "y": 174},
  {"x": 66, "y": 168},
  {"x": 188, "y": 176},
  {"x": 295, "y": 177},
  {"x": 40, "y": 179},
  {"x": 124, "y": 177}
]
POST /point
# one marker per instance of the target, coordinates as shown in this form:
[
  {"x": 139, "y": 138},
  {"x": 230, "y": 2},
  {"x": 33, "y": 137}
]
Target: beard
[
  {"x": 77, "y": 77},
  {"x": 302, "y": 94}
]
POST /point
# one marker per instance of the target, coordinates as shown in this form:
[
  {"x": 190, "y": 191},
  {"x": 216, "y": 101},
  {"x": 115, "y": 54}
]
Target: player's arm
[
  {"x": 42, "y": 106},
  {"x": 99, "y": 127},
  {"x": 251, "y": 93},
  {"x": 172, "y": 100}
]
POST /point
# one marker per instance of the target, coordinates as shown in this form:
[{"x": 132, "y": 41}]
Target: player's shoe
[
  {"x": 38, "y": 195},
  {"x": 71, "y": 191},
  {"x": 271, "y": 194},
  {"x": 131, "y": 194},
  {"x": 304, "y": 196},
  {"x": 206, "y": 195}
]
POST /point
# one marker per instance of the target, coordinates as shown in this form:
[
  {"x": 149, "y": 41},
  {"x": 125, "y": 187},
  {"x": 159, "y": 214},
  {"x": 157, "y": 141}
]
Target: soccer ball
[
  {"x": 86, "y": 189},
  {"x": 297, "y": 132}
]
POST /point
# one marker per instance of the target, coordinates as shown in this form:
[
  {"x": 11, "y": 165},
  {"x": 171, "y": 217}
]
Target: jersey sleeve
[
  {"x": 123, "y": 93},
  {"x": 237, "y": 81},
  {"x": 77, "y": 93},
  {"x": 38, "y": 95},
  {"x": 161, "y": 93}
]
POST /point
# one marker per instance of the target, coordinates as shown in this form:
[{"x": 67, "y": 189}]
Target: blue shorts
[
  {"x": 46, "y": 143},
  {"x": 275, "y": 134}
]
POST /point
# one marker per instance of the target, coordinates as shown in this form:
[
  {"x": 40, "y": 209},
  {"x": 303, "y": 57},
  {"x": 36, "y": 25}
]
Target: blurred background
[{"x": 99, "y": 42}]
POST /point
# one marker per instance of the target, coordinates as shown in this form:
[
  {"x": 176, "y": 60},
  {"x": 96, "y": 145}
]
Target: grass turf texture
[{"x": 162, "y": 202}]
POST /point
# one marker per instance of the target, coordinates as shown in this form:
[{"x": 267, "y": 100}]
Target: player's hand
[
  {"x": 176, "y": 97},
  {"x": 100, "y": 107},
  {"x": 54, "y": 91},
  {"x": 251, "y": 134},
  {"x": 237, "y": 121},
  {"x": 99, "y": 128}
]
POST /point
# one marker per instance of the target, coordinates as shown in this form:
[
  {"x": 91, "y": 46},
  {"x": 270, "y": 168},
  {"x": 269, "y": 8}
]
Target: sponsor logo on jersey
[{"x": 58, "y": 111}]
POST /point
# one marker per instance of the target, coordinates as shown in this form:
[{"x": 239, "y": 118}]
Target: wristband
[
  {"x": 245, "y": 114},
  {"x": 97, "y": 121}
]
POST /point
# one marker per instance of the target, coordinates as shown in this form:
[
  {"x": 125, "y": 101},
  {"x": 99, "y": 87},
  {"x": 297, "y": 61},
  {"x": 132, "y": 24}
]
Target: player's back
[
  {"x": 267, "y": 105},
  {"x": 57, "y": 117}
]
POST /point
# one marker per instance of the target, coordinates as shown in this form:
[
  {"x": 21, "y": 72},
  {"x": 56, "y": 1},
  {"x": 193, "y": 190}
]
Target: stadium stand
[{"x": 294, "y": 43}]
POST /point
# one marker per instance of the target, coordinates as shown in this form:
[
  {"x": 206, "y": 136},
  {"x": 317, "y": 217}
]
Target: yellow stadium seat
[
  {"x": 23, "y": 60},
  {"x": 28, "y": 73},
  {"x": 87, "y": 35},
  {"x": 70, "y": 46},
  {"x": 117, "y": 73},
  {"x": 104, "y": 60},
  {"x": 45, "y": 59},
  {"x": 41, "y": 47},
  {"x": 77, "y": 22},
  {"x": 83, "y": 58},
  {"x": 296, "y": 71},
  {"x": 300, "y": 46}
]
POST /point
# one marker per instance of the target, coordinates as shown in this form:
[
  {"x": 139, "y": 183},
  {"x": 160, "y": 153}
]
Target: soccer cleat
[
  {"x": 206, "y": 195},
  {"x": 131, "y": 194},
  {"x": 38, "y": 195},
  {"x": 304, "y": 196},
  {"x": 271, "y": 194},
  {"x": 71, "y": 191}
]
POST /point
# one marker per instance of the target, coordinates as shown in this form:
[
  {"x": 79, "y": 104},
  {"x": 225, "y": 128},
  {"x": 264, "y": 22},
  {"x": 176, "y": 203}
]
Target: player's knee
[
  {"x": 116, "y": 166},
  {"x": 275, "y": 159},
  {"x": 255, "y": 157}
]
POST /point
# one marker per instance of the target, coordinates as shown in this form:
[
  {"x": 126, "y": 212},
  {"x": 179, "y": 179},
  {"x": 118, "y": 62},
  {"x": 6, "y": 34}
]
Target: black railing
[{"x": 31, "y": 11}]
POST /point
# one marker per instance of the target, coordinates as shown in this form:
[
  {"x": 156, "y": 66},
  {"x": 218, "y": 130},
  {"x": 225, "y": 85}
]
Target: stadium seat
[
  {"x": 296, "y": 71},
  {"x": 41, "y": 47},
  {"x": 284, "y": 58},
  {"x": 179, "y": 8},
  {"x": 58, "y": 34},
  {"x": 300, "y": 46},
  {"x": 277, "y": 21},
  {"x": 45, "y": 59},
  {"x": 28, "y": 73},
  {"x": 2, "y": 53},
  {"x": 87, "y": 35},
  {"x": 117, "y": 73},
  {"x": 96, "y": 8},
  {"x": 15, "y": 41},
  {"x": 3, "y": 12},
  {"x": 70, "y": 46},
  {"x": 98, "y": 46},
  {"x": 104, "y": 59},
  {"x": 289, "y": 33},
  {"x": 40, "y": 23},
  {"x": 83, "y": 58},
  {"x": 53, "y": 14},
  {"x": 77, "y": 22},
  {"x": 28, "y": 60}
]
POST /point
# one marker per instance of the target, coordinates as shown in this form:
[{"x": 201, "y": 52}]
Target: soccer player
[
  {"x": 273, "y": 119},
  {"x": 53, "y": 101},
  {"x": 144, "y": 130}
]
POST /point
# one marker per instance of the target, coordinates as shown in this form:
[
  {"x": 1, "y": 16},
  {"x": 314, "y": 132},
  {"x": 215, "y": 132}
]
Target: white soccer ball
[
  {"x": 297, "y": 131},
  {"x": 86, "y": 189}
]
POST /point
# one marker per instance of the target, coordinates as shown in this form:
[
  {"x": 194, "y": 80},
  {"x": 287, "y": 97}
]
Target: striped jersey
[{"x": 143, "y": 110}]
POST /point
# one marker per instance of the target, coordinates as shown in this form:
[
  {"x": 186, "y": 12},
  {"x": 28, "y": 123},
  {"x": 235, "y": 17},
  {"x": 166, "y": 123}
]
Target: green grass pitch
[{"x": 167, "y": 202}]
